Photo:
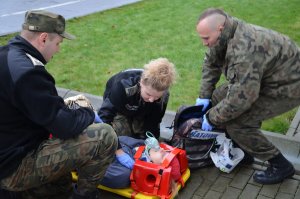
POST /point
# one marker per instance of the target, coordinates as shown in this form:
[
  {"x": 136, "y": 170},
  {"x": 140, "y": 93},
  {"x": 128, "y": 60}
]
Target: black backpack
[{"x": 187, "y": 135}]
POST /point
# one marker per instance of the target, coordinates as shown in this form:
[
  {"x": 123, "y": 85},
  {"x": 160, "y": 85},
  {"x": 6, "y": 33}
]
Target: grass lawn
[{"x": 130, "y": 36}]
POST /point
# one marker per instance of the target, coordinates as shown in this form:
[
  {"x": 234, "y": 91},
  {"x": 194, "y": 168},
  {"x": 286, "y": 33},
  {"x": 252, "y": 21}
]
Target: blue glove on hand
[
  {"x": 203, "y": 102},
  {"x": 97, "y": 118},
  {"x": 125, "y": 160},
  {"x": 206, "y": 126}
]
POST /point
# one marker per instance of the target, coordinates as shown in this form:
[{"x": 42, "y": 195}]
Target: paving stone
[
  {"x": 193, "y": 183},
  {"x": 269, "y": 190},
  {"x": 213, "y": 195},
  {"x": 231, "y": 174},
  {"x": 251, "y": 181},
  {"x": 239, "y": 181},
  {"x": 204, "y": 187},
  {"x": 263, "y": 197},
  {"x": 297, "y": 195},
  {"x": 194, "y": 197},
  {"x": 289, "y": 186},
  {"x": 246, "y": 171},
  {"x": 250, "y": 192},
  {"x": 221, "y": 184},
  {"x": 211, "y": 173},
  {"x": 284, "y": 196},
  {"x": 231, "y": 193}
]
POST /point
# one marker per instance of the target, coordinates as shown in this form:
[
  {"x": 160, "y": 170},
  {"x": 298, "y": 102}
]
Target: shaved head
[
  {"x": 212, "y": 18},
  {"x": 210, "y": 25},
  {"x": 210, "y": 12},
  {"x": 213, "y": 21}
]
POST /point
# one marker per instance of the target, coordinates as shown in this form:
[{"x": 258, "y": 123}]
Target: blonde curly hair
[{"x": 159, "y": 73}]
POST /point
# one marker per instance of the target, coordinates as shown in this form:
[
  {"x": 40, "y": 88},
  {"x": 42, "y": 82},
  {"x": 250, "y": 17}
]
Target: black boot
[{"x": 278, "y": 170}]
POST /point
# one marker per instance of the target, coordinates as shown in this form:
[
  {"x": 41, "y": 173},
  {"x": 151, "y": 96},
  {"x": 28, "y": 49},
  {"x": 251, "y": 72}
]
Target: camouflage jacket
[{"x": 255, "y": 61}]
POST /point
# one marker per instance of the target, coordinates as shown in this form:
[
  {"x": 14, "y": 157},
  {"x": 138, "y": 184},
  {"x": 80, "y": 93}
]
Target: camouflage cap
[{"x": 44, "y": 21}]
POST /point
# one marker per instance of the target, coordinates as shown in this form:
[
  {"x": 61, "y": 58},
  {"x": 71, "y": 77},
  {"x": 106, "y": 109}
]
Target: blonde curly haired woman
[{"x": 135, "y": 100}]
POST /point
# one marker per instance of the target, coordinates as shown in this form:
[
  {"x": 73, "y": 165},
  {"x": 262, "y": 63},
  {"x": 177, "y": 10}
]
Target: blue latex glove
[
  {"x": 206, "y": 126},
  {"x": 97, "y": 118},
  {"x": 203, "y": 102},
  {"x": 125, "y": 160}
]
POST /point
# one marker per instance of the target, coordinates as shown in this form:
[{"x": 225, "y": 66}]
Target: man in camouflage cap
[
  {"x": 262, "y": 68},
  {"x": 43, "y": 21},
  {"x": 30, "y": 162}
]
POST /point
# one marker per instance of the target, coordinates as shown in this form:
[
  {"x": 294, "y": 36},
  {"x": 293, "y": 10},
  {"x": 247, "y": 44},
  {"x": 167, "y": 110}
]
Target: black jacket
[
  {"x": 122, "y": 95},
  {"x": 30, "y": 106}
]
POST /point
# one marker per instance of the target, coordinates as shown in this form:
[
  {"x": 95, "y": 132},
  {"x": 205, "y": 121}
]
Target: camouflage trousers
[
  {"x": 245, "y": 129},
  {"x": 128, "y": 126},
  {"x": 46, "y": 172}
]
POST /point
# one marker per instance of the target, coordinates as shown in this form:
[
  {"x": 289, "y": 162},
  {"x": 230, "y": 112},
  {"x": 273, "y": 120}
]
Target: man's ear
[
  {"x": 221, "y": 27},
  {"x": 43, "y": 38}
]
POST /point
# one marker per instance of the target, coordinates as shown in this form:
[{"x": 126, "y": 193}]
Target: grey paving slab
[
  {"x": 193, "y": 183},
  {"x": 284, "y": 196},
  {"x": 240, "y": 181},
  {"x": 232, "y": 173},
  {"x": 231, "y": 193},
  {"x": 211, "y": 173},
  {"x": 297, "y": 194},
  {"x": 269, "y": 190},
  {"x": 197, "y": 197},
  {"x": 262, "y": 197},
  {"x": 213, "y": 195},
  {"x": 204, "y": 187},
  {"x": 250, "y": 192},
  {"x": 221, "y": 184},
  {"x": 246, "y": 171},
  {"x": 289, "y": 186}
]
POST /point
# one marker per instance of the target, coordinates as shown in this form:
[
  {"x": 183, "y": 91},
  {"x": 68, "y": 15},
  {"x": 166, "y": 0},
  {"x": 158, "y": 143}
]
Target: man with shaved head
[{"x": 262, "y": 69}]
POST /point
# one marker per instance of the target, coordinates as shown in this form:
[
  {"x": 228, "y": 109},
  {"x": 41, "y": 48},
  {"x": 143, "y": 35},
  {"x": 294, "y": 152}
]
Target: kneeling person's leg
[
  {"x": 90, "y": 153},
  {"x": 122, "y": 125},
  {"x": 245, "y": 131}
]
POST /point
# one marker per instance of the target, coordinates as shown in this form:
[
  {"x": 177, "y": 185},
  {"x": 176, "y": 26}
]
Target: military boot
[{"x": 278, "y": 170}]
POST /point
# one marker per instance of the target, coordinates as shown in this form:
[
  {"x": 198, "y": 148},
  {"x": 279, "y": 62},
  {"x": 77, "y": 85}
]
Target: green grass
[{"x": 130, "y": 36}]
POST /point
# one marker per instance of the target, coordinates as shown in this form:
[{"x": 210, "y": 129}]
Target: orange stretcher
[{"x": 152, "y": 181}]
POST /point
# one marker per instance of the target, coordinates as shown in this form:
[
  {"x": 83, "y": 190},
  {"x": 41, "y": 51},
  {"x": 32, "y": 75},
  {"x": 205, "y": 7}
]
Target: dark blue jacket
[
  {"x": 117, "y": 176},
  {"x": 30, "y": 108},
  {"x": 122, "y": 95}
]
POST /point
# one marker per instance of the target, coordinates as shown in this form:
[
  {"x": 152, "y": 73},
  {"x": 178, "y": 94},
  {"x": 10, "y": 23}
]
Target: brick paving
[
  {"x": 211, "y": 183},
  {"x": 214, "y": 184}
]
